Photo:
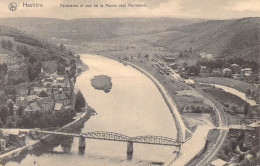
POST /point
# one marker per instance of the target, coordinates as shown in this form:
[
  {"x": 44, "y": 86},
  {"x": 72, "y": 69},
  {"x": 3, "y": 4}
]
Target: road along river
[{"x": 133, "y": 107}]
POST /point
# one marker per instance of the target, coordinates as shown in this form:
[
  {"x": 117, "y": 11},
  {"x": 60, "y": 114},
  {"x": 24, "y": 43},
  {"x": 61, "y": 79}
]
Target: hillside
[
  {"x": 92, "y": 29},
  {"x": 24, "y": 55},
  {"x": 38, "y": 48},
  {"x": 222, "y": 38}
]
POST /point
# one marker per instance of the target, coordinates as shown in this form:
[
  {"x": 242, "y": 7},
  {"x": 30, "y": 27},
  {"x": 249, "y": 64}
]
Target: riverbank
[
  {"x": 180, "y": 126},
  {"x": 182, "y": 130},
  {"x": 22, "y": 151}
]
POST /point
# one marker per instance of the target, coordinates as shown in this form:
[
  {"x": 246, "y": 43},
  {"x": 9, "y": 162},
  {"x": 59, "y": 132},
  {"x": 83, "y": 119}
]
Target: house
[
  {"x": 174, "y": 66},
  {"x": 206, "y": 56},
  {"x": 46, "y": 103},
  {"x": 59, "y": 107},
  {"x": 61, "y": 98},
  {"x": 226, "y": 72},
  {"x": 21, "y": 101},
  {"x": 235, "y": 68},
  {"x": 4, "y": 136},
  {"x": 32, "y": 108},
  {"x": 13, "y": 136},
  {"x": 54, "y": 91},
  {"x": 236, "y": 76},
  {"x": 17, "y": 138},
  {"x": 37, "y": 90},
  {"x": 169, "y": 59},
  {"x": 4, "y": 58},
  {"x": 189, "y": 81},
  {"x": 216, "y": 72},
  {"x": 2, "y": 144},
  {"x": 246, "y": 72},
  {"x": 60, "y": 80},
  {"x": 31, "y": 99},
  {"x": 203, "y": 69}
]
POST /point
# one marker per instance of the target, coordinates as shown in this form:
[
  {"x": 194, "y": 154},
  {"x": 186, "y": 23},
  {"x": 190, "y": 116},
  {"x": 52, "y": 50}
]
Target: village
[{"x": 46, "y": 101}]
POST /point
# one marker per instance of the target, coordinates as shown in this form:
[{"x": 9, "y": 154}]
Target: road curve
[{"x": 223, "y": 133}]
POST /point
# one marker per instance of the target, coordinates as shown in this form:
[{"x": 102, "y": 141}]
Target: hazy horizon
[{"x": 187, "y": 9}]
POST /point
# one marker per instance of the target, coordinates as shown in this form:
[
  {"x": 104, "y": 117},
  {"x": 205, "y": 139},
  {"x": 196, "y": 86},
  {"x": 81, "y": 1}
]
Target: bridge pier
[
  {"x": 130, "y": 150},
  {"x": 82, "y": 144}
]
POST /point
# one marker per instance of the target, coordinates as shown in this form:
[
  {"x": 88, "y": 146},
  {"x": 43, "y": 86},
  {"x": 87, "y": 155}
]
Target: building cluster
[
  {"x": 55, "y": 94},
  {"x": 11, "y": 139},
  {"x": 58, "y": 96},
  {"x": 234, "y": 71}
]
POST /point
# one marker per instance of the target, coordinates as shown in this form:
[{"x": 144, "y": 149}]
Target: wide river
[{"x": 133, "y": 107}]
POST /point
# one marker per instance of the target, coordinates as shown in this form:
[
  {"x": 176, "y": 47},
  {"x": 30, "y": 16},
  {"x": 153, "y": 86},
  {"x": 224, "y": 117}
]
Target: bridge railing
[{"x": 112, "y": 136}]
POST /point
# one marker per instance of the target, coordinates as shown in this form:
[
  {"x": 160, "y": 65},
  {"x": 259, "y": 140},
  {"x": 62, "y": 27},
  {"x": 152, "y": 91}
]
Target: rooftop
[
  {"x": 58, "y": 106},
  {"x": 45, "y": 100},
  {"x": 60, "y": 97}
]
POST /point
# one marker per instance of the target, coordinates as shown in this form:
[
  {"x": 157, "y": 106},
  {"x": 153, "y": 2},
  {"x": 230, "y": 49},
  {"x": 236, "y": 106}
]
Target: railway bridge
[{"x": 112, "y": 136}]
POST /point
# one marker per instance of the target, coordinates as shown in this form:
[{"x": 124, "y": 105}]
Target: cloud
[{"x": 249, "y": 5}]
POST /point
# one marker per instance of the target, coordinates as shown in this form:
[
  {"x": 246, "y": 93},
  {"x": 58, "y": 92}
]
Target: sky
[{"x": 207, "y": 9}]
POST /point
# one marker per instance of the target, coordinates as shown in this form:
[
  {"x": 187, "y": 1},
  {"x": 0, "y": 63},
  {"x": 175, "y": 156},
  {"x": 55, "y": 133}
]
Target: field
[
  {"x": 237, "y": 84},
  {"x": 224, "y": 97}
]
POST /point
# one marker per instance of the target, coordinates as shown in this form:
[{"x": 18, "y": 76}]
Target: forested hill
[
  {"x": 27, "y": 54},
  {"x": 222, "y": 38},
  {"x": 92, "y": 29},
  {"x": 38, "y": 48}
]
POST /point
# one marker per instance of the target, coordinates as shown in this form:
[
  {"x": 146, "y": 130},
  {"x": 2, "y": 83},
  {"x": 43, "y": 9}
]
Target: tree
[
  {"x": 19, "y": 111},
  {"x": 9, "y": 44},
  {"x": 23, "y": 50},
  {"x": 248, "y": 92},
  {"x": 3, "y": 113},
  {"x": 61, "y": 68},
  {"x": 80, "y": 102},
  {"x": 34, "y": 70},
  {"x": 62, "y": 47},
  {"x": 185, "y": 65},
  {"x": 3, "y": 44},
  {"x": 146, "y": 56},
  {"x": 43, "y": 94},
  {"x": 246, "y": 108},
  {"x": 10, "y": 106}
]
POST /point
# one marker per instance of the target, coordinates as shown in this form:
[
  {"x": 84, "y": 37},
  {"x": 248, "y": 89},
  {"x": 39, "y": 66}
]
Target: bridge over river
[{"x": 112, "y": 136}]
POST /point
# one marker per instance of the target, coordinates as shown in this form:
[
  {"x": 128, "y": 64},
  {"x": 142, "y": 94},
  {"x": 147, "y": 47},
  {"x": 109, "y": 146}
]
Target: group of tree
[
  {"x": 73, "y": 68},
  {"x": 23, "y": 50},
  {"x": 185, "y": 53},
  {"x": 46, "y": 119},
  {"x": 80, "y": 102},
  {"x": 3, "y": 72},
  {"x": 6, "y": 44},
  {"x": 61, "y": 68},
  {"x": 34, "y": 70},
  {"x": 5, "y": 112}
]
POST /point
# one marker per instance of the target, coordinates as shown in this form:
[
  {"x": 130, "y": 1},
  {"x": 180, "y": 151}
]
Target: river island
[{"x": 102, "y": 82}]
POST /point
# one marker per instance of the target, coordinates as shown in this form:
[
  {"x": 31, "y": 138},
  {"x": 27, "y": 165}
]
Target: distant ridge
[{"x": 221, "y": 38}]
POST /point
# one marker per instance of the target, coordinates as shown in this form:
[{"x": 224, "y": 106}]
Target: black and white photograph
[{"x": 129, "y": 83}]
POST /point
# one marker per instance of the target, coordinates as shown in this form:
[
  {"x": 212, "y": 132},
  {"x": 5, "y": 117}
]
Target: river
[{"x": 133, "y": 107}]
